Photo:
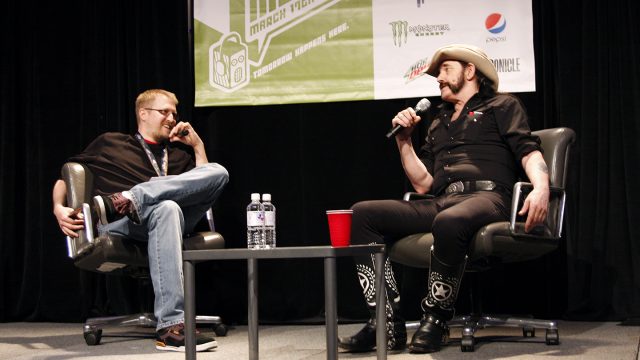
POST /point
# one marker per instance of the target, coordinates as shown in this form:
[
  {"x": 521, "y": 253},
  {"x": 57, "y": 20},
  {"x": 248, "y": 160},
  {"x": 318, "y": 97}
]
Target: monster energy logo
[{"x": 399, "y": 29}]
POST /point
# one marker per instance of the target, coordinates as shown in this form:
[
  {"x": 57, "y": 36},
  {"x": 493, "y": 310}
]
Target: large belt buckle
[
  {"x": 454, "y": 187},
  {"x": 487, "y": 185}
]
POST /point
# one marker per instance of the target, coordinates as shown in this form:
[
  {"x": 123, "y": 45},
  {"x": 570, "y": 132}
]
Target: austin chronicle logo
[{"x": 399, "y": 30}]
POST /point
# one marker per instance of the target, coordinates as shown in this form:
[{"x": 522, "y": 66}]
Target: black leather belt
[{"x": 469, "y": 186}]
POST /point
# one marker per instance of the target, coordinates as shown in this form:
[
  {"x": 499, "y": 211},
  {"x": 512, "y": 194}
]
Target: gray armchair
[
  {"x": 116, "y": 255},
  {"x": 506, "y": 242}
]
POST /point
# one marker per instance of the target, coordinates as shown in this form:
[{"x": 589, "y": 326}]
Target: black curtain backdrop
[{"x": 72, "y": 69}]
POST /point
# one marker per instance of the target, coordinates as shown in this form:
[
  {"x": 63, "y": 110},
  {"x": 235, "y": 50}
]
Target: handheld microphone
[
  {"x": 421, "y": 106},
  {"x": 183, "y": 133}
]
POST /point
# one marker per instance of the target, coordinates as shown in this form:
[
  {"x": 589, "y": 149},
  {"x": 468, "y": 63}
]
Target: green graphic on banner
[{"x": 283, "y": 51}]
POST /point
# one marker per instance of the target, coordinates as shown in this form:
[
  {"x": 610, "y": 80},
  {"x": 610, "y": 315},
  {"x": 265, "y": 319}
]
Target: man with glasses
[{"x": 150, "y": 187}]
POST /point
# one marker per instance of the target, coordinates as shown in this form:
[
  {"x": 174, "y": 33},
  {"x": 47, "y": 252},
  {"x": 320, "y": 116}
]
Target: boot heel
[
  {"x": 430, "y": 336},
  {"x": 363, "y": 341}
]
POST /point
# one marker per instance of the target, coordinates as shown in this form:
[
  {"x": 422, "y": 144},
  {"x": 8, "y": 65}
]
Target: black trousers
[{"x": 453, "y": 219}]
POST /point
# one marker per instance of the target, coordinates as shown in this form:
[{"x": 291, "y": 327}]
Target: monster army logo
[{"x": 400, "y": 31}]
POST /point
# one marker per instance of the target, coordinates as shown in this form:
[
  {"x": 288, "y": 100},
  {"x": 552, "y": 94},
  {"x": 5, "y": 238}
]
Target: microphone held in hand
[
  {"x": 421, "y": 106},
  {"x": 183, "y": 133}
]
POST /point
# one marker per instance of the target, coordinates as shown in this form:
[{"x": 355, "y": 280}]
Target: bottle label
[
  {"x": 255, "y": 218},
  {"x": 270, "y": 218}
]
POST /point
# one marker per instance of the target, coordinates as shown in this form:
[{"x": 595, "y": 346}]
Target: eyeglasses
[{"x": 166, "y": 112}]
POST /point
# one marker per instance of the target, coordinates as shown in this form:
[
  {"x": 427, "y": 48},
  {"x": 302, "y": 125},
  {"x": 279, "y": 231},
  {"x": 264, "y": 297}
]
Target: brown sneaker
[
  {"x": 172, "y": 339},
  {"x": 113, "y": 207}
]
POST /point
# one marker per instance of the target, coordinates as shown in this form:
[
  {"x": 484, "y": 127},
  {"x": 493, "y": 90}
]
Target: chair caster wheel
[
  {"x": 552, "y": 337},
  {"x": 93, "y": 337},
  {"x": 221, "y": 329},
  {"x": 467, "y": 343},
  {"x": 528, "y": 332}
]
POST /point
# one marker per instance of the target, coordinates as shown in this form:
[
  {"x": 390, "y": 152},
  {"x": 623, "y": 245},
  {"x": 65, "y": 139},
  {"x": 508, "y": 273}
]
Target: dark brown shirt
[
  {"x": 486, "y": 142},
  {"x": 118, "y": 162}
]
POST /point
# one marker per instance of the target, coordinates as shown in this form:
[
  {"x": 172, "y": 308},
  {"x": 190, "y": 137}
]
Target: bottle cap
[
  {"x": 266, "y": 197},
  {"x": 255, "y": 197}
]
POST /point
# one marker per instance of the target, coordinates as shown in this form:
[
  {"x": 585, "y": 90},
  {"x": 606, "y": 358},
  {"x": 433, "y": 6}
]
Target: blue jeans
[{"x": 169, "y": 207}]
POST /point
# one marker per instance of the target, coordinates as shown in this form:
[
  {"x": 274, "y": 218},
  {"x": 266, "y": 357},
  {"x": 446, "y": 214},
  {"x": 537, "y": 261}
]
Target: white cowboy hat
[{"x": 467, "y": 53}]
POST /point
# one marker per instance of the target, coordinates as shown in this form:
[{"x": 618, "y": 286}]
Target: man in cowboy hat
[{"x": 475, "y": 148}]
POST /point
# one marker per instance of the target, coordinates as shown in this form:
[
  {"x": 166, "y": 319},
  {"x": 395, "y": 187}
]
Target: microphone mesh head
[{"x": 423, "y": 105}]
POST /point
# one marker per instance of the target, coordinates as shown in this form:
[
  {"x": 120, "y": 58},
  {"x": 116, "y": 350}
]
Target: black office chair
[
  {"x": 116, "y": 255},
  {"x": 506, "y": 242}
]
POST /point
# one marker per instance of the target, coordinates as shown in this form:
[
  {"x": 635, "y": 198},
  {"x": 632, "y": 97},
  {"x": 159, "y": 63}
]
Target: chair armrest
[
  {"x": 212, "y": 225},
  {"x": 552, "y": 227},
  {"x": 408, "y": 196},
  {"x": 79, "y": 183}
]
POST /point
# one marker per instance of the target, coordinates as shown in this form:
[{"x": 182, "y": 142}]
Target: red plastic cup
[{"x": 339, "y": 227}]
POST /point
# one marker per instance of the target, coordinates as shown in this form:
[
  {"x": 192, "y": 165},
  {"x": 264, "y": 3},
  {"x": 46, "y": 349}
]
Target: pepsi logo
[{"x": 495, "y": 23}]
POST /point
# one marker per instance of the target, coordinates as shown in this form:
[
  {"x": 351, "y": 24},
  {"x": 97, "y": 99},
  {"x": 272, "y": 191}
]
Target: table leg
[
  {"x": 189, "y": 309},
  {"x": 381, "y": 337},
  {"x": 331, "y": 310},
  {"x": 252, "y": 281}
]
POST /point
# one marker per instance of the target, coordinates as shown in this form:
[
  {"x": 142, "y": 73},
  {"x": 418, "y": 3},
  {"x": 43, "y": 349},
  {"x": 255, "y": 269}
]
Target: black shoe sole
[
  {"x": 199, "y": 347},
  {"x": 422, "y": 350},
  {"x": 354, "y": 349}
]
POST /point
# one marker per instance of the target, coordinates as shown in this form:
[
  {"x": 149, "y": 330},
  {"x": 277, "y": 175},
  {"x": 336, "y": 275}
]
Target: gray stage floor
[{"x": 578, "y": 340}]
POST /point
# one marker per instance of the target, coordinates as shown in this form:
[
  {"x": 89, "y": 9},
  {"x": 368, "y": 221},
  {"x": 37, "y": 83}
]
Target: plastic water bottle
[
  {"x": 255, "y": 223},
  {"x": 269, "y": 221}
]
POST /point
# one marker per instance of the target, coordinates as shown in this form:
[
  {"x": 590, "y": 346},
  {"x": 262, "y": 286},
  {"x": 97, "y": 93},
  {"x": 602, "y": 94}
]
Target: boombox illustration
[{"x": 229, "y": 63}]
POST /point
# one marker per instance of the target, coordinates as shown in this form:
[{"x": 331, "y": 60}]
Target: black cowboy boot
[
  {"x": 365, "y": 339},
  {"x": 444, "y": 283}
]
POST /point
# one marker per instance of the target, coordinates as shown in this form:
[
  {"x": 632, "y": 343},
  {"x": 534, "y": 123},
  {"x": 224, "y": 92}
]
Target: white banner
[
  {"x": 250, "y": 52},
  {"x": 406, "y": 35}
]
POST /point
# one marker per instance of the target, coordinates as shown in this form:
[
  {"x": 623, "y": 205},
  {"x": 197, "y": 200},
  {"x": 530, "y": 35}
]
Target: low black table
[{"x": 329, "y": 253}]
